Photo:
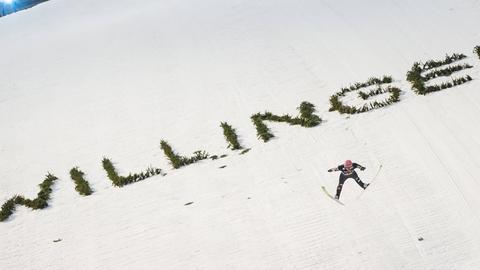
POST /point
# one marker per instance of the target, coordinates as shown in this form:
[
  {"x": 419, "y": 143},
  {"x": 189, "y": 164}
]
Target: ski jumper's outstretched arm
[
  {"x": 338, "y": 168},
  {"x": 356, "y": 165}
]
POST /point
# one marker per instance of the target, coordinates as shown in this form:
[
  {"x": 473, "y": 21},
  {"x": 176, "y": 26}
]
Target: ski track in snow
[{"x": 85, "y": 80}]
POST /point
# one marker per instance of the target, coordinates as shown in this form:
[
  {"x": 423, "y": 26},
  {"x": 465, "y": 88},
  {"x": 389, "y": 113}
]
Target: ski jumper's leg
[
  {"x": 341, "y": 180},
  {"x": 357, "y": 179}
]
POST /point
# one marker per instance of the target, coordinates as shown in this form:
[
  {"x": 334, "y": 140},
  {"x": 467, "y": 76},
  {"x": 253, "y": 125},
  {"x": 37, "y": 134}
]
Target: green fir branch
[
  {"x": 372, "y": 81},
  {"x": 178, "y": 161},
  {"x": 445, "y": 72},
  {"x": 120, "y": 181},
  {"x": 263, "y": 132},
  {"x": 307, "y": 118},
  {"x": 337, "y": 105},
  {"x": 371, "y": 93},
  {"x": 418, "y": 81},
  {"x": 448, "y": 60},
  {"x": 7, "y": 209},
  {"x": 40, "y": 202},
  {"x": 81, "y": 185},
  {"x": 230, "y": 136}
]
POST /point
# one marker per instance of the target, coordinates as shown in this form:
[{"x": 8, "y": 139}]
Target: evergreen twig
[
  {"x": 40, "y": 202},
  {"x": 178, "y": 161},
  {"x": 120, "y": 181},
  {"x": 418, "y": 81},
  {"x": 307, "y": 118},
  {"x": 477, "y": 51},
  {"x": 81, "y": 185},
  {"x": 337, "y": 105},
  {"x": 230, "y": 136}
]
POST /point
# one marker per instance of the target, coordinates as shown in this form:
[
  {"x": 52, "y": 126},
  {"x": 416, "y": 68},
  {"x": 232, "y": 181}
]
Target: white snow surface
[{"x": 83, "y": 80}]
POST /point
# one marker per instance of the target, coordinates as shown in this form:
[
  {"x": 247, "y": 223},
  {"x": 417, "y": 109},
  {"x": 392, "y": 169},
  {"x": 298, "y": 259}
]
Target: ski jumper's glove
[{"x": 362, "y": 168}]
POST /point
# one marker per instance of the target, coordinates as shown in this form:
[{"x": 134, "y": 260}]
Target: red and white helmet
[{"x": 348, "y": 164}]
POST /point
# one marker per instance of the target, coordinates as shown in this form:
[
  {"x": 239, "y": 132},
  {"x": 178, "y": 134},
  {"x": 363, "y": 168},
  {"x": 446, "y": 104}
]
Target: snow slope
[{"x": 81, "y": 80}]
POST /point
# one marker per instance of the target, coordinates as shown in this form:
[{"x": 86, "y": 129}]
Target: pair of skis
[{"x": 358, "y": 197}]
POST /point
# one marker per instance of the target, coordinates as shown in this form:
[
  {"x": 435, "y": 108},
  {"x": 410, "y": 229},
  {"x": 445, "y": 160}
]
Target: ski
[
  {"x": 330, "y": 196},
  {"x": 373, "y": 179}
]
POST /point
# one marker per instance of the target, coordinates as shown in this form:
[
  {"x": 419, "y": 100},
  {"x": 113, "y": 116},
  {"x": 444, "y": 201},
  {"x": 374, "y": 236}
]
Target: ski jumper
[{"x": 346, "y": 173}]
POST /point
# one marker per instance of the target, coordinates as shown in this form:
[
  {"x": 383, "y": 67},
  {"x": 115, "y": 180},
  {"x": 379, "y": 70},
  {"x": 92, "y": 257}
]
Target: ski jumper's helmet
[{"x": 348, "y": 164}]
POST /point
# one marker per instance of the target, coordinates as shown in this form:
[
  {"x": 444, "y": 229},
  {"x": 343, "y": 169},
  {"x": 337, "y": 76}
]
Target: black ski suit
[{"x": 345, "y": 174}]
